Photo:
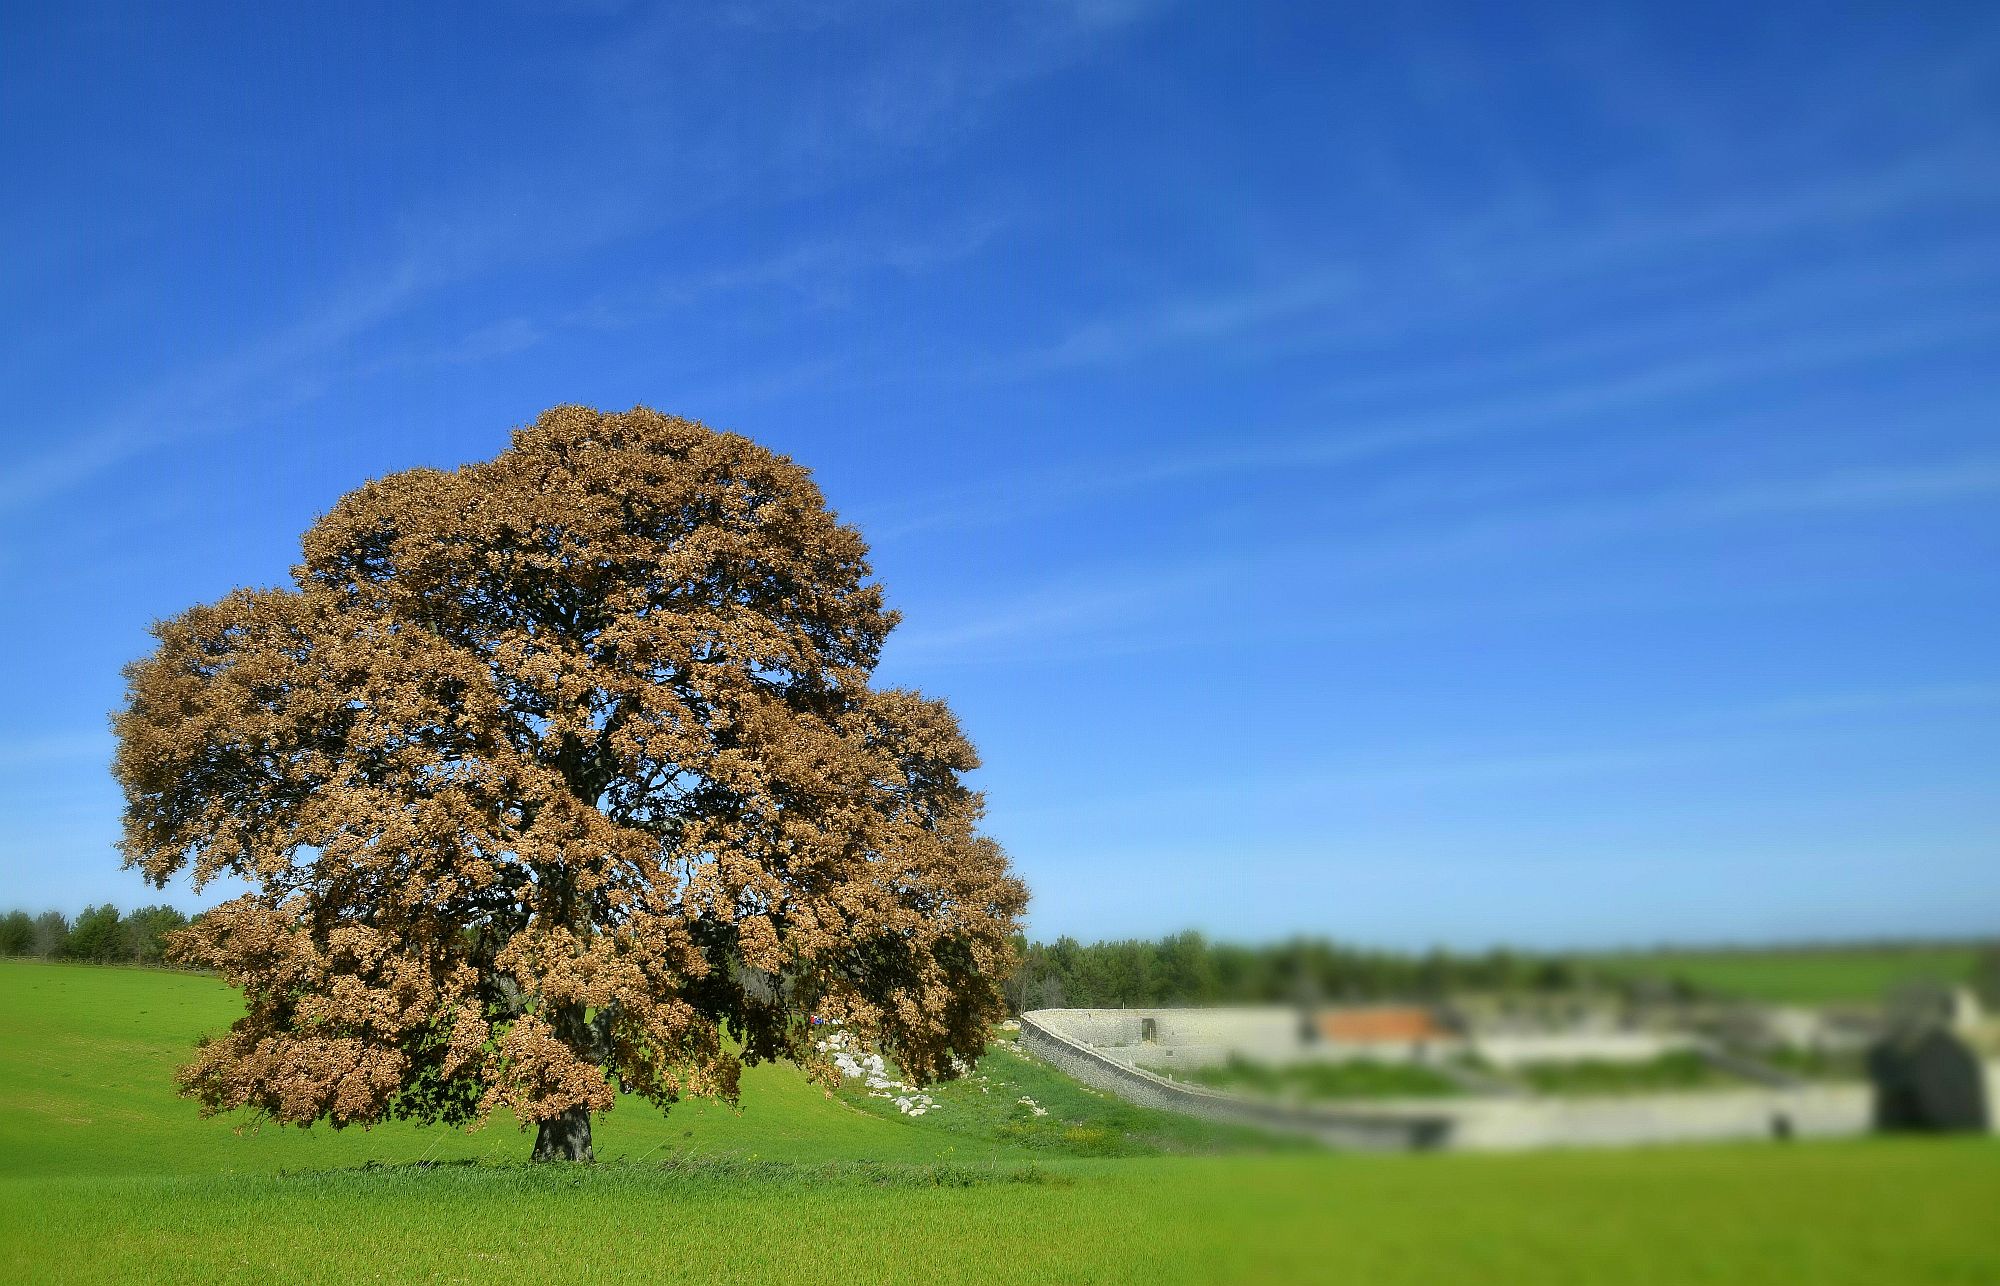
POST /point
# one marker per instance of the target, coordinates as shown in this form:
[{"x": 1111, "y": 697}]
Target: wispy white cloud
[
  {"x": 1655, "y": 386},
  {"x": 1878, "y": 487},
  {"x": 1462, "y": 769},
  {"x": 1938, "y": 697},
  {"x": 1317, "y": 304},
  {"x": 530, "y": 212},
  {"x": 1181, "y": 322},
  {"x": 893, "y": 79},
  {"x": 1509, "y": 532},
  {"x": 1743, "y": 318},
  {"x": 1596, "y": 400},
  {"x": 1719, "y": 737},
  {"x": 227, "y": 393},
  {"x": 1751, "y": 338},
  {"x": 1114, "y": 600},
  {"x": 1120, "y": 612},
  {"x": 823, "y": 270}
]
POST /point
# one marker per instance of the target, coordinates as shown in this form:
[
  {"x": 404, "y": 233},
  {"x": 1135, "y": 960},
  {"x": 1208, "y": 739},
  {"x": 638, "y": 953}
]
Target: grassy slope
[
  {"x": 1075, "y": 1120},
  {"x": 105, "y": 1175},
  {"x": 86, "y": 1058},
  {"x": 1806, "y": 976}
]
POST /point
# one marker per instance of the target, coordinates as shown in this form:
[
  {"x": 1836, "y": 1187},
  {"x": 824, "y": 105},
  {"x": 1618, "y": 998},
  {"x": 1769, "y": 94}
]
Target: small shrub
[
  {"x": 1355, "y": 1078},
  {"x": 1682, "y": 1069}
]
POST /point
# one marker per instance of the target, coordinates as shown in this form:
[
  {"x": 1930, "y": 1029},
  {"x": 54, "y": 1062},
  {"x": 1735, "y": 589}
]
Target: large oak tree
[{"x": 557, "y": 774}]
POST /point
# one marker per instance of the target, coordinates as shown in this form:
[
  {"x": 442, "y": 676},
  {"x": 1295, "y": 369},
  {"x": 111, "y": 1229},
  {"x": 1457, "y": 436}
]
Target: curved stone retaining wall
[{"x": 1393, "y": 1128}]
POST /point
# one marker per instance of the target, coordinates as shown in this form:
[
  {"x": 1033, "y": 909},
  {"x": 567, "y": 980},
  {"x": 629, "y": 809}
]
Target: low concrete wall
[
  {"x": 1482, "y": 1123},
  {"x": 1820, "y": 1111},
  {"x": 1260, "y": 1026}
]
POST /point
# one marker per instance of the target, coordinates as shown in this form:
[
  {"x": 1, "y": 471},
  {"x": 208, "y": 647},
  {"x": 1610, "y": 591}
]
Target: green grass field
[
  {"x": 1799, "y": 976},
  {"x": 105, "y": 1175},
  {"x": 1670, "y": 1072}
]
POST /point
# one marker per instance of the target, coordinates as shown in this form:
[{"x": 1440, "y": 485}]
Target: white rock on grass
[{"x": 857, "y": 1064}]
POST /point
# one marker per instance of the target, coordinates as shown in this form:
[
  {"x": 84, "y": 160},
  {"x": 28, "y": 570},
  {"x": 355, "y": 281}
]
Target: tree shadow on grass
[{"x": 673, "y": 1170}]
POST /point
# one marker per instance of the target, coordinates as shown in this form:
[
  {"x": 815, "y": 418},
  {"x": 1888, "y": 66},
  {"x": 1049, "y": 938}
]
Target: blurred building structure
[{"x": 1778, "y": 1072}]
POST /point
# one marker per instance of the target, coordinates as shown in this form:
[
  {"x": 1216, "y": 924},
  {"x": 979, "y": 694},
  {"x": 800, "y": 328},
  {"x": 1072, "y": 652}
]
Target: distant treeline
[
  {"x": 1188, "y": 969},
  {"x": 1182, "y": 969},
  {"x": 100, "y": 934}
]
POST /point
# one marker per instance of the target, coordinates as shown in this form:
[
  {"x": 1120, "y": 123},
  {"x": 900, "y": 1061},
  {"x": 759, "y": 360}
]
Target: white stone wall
[{"x": 1244, "y": 1026}]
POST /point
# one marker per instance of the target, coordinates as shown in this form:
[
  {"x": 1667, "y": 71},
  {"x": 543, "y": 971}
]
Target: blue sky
[{"x": 1420, "y": 473}]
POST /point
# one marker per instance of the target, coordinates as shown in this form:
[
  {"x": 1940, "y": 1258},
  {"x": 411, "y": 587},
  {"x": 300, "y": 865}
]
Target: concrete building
[{"x": 1934, "y": 1070}]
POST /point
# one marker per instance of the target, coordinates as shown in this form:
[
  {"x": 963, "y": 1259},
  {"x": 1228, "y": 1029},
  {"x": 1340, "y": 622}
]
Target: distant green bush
[
  {"x": 1353, "y": 1078},
  {"x": 1683, "y": 1069}
]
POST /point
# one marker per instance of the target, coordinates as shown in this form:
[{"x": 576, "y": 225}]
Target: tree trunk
[{"x": 565, "y": 1137}]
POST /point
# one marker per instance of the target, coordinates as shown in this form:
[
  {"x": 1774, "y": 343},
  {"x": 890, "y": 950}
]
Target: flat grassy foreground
[{"x": 105, "y": 1175}]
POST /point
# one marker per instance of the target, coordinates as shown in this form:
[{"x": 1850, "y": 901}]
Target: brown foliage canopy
[{"x": 550, "y": 771}]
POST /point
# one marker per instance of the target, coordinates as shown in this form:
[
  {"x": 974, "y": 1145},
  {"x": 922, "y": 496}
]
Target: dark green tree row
[
  {"x": 1188, "y": 969},
  {"x": 99, "y": 934}
]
